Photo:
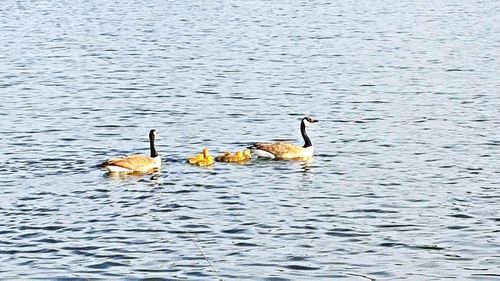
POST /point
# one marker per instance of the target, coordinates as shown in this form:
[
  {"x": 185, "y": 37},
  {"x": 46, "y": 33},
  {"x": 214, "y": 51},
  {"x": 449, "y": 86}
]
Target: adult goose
[
  {"x": 287, "y": 151},
  {"x": 136, "y": 163}
]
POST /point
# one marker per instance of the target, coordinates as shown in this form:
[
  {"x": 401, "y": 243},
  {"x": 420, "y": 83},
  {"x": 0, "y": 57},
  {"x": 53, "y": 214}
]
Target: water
[{"x": 405, "y": 180}]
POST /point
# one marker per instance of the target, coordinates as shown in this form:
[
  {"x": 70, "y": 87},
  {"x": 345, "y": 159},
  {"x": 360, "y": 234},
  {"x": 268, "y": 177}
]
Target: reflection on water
[
  {"x": 133, "y": 176},
  {"x": 404, "y": 180}
]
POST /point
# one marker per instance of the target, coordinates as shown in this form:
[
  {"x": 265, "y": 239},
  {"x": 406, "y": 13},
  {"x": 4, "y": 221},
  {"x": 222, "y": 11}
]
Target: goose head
[
  {"x": 308, "y": 121},
  {"x": 152, "y": 134}
]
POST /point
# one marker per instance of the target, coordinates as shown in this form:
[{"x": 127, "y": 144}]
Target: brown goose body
[
  {"x": 132, "y": 163},
  {"x": 287, "y": 151},
  {"x": 135, "y": 163}
]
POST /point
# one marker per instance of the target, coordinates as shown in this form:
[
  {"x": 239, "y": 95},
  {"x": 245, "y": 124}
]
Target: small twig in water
[{"x": 208, "y": 261}]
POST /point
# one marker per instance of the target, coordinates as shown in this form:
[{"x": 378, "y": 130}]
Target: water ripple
[{"x": 404, "y": 180}]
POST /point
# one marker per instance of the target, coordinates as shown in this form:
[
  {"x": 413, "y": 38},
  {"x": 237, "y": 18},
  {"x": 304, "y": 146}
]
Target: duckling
[
  {"x": 221, "y": 158},
  {"x": 195, "y": 159},
  {"x": 201, "y": 159},
  {"x": 239, "y": 156},
  {"x": 247, "y": 154}
]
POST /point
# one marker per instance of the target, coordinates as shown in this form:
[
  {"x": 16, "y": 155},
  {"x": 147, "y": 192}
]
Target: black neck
[
  {"x": 307, "y": 141},
  {"x": 152, "y": 145}
]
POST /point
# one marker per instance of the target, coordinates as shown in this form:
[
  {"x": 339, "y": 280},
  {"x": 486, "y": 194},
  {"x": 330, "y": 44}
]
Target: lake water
[{"x": 404, "y": 185}]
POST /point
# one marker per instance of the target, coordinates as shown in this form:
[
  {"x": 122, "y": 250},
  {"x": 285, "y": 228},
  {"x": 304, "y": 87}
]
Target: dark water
[{"x": 404, "y": 185}]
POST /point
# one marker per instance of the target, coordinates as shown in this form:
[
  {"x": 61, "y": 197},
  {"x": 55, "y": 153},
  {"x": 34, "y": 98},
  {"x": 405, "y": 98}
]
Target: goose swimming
[
  {"x": 287, "y": 151},
  {"x": 136, "y": 163}
]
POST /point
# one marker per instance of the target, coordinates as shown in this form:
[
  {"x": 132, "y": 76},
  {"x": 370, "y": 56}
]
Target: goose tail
[
  {"x": 260, "y": 153},
  {"x": 103, "y": 164}
]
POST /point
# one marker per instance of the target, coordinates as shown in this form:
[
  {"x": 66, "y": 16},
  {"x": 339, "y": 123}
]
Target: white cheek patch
[{"x": 307, "y": 123}]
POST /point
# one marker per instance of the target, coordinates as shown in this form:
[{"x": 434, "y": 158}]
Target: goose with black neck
[{"x": 287, "y": 151}]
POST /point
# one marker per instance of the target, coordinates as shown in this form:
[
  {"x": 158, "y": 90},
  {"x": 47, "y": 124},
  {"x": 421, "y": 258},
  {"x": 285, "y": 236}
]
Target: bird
[
  {"x": 287, "y": 151},
  {"x": 136, "y": 163},
  {"x": 201, "y": 159},
  {"x": 239, "y": 156}
]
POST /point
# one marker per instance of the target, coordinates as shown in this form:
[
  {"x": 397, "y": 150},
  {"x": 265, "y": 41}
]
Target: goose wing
[
  {"x": 279, "y": 149},
  {"x": 134, "y": 163}
]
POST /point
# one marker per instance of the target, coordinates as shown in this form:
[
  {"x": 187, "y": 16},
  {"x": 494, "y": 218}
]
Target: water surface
[{"x": 405, "y": 180}]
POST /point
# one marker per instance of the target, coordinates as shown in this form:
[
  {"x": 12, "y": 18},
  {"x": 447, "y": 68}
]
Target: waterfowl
[
  {"x": 239, "y": 156},
  {"x": 201, "y": 159},
  {"x": 136, "y": 163},
  {"x": 286, "y": 151}
]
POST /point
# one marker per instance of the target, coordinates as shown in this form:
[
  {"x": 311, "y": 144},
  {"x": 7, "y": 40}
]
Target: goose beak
[{"x": 314, "y": 121}]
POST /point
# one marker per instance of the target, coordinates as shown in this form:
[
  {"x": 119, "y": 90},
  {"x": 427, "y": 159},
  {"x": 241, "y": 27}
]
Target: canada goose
[
  {"x": 286, "y": 151},
  {"x": 201, "y": 159},
  {"x": 239, "y": 156},
  {"x": 136, "y": 163}
]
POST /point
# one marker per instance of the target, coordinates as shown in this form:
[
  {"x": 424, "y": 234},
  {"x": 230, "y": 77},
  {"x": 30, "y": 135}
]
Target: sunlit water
[{"x": 404, "y": 185}]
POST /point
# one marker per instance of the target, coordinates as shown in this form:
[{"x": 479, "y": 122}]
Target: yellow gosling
[
  {"x": 201, "y": 159},
  {"x": 239, "y": 156},
  {"x": 247, "y": 154}
]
